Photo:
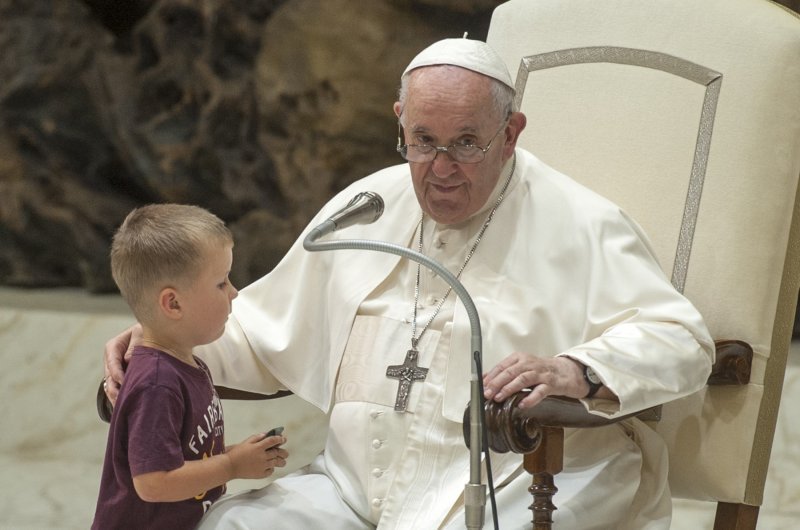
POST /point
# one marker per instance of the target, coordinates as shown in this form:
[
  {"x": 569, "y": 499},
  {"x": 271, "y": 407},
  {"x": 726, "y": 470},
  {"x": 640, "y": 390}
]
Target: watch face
[{"x": 591, "y": 376}]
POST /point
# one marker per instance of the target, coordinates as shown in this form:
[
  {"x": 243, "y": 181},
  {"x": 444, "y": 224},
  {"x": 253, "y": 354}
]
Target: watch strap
[{"x": 592, "y": 380}]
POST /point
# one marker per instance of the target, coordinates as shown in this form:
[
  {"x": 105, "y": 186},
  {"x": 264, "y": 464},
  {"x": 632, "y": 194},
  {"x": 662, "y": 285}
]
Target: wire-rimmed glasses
[{"x": 461, "y": 153}]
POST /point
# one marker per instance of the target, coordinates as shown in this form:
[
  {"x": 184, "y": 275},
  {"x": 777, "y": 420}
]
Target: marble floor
[{"x": 52, "y": 449}]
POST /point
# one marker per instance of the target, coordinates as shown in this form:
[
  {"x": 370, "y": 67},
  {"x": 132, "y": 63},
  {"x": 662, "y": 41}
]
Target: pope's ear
[
  {"x": 168, "y": 303},
  {"x": 516, "y": 124}
]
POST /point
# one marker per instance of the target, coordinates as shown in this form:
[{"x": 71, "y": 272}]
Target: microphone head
[
  {"x": 365, "y": 208},
  {"x": 374, "y": 201}
]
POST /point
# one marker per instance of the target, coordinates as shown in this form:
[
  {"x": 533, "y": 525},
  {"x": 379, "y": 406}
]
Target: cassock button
[
  {"x": 375, "y": 413},
  {"x": 377, "y": 472},
  {"x": 376, "y": 503},
  {"x": 440, "y": 242},
  {"x": 376, "y": 444}
]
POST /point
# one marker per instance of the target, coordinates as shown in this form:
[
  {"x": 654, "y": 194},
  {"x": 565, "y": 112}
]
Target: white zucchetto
[{"x": 471, "y": 54}]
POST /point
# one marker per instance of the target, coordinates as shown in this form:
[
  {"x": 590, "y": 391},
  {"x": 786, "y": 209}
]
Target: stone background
[{"x": 256, "y": 109}]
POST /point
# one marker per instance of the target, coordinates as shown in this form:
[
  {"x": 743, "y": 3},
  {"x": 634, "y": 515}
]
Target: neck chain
[
  {"x": 414, "y": 338},
  {"x": 190, "y": 361},
  {"x": 170, "y": 351}
]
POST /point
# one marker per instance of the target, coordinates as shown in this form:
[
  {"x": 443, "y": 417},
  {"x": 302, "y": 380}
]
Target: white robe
[{"x": 560, "y": 271}]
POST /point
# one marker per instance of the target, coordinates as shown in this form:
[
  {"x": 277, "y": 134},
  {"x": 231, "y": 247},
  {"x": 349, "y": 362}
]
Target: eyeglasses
[{"x": 461, "y": 153}]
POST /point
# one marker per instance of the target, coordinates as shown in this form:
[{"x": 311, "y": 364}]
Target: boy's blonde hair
[{"x": 161, "y": 244}]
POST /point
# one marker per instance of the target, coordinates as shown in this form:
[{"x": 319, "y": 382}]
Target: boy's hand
[{"x": 257, "y": 456}]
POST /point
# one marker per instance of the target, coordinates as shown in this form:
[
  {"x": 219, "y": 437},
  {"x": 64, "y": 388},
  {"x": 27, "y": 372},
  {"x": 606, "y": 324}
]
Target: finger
[
  {"x": 273, "y": 454},
  {"x": 512, "y": 380},
  {"x": 499, "y": 379},
  {"x": 501, "y": 367},
  {"x": 270, "y": 442},
  {"x": 259, "y": 439},
  {"x": 534, "y": 397},
  {"x": 137, "y": 333},
  {"x": 113, "y": 355},
  {"x": 275, "y": 442},
  {"x": 110, "y": 388},
  {"x": 112, "y": 392},
  {"x": 529, "y": 377}
]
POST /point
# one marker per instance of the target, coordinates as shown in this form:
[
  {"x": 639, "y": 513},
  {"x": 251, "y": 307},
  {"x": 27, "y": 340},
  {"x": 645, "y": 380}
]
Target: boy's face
[{"x": 206, "y": 301}]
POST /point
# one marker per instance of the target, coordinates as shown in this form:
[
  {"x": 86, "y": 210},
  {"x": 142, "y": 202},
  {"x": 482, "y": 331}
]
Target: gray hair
[{"x": 502, "y": 95}]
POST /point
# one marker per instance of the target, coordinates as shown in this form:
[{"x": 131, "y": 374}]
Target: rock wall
[
  {"x": 259, "y": 110},
  {"x": 256, "y": 109}
]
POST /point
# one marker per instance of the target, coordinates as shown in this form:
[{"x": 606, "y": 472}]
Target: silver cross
[{"x": 407, "y": 373}]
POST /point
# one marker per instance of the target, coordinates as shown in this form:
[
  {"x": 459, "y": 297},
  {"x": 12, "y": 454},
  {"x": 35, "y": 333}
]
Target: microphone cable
[{"x": 485, "y": 442}]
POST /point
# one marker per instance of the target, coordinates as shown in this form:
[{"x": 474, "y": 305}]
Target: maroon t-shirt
[{"x": 167, "y": 413}]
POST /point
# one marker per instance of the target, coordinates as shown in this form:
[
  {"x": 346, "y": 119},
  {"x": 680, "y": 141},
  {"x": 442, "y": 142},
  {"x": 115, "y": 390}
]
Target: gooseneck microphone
[{"x": 366, "y": 208}]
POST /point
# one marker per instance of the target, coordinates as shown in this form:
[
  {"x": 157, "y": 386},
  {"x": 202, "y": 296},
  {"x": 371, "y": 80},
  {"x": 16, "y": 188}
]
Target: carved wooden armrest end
[
  {"x": 733, "y": 363},
  {"x": 510, "y": 428}
]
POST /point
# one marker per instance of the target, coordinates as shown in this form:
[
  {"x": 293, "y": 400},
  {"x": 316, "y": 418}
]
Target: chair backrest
[{"x": 686, "y": 113}]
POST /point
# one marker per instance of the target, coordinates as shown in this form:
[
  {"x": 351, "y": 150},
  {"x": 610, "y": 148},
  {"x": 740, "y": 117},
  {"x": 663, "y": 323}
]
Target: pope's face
[{"x": 447, "y": 105}]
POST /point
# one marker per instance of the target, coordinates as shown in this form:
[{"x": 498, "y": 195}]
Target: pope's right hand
[{"x": 117, "y": 353}]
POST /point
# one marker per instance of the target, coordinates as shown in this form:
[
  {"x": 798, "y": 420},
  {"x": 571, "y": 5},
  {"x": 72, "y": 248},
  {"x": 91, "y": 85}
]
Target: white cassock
[{"x": 560, "y": 271}]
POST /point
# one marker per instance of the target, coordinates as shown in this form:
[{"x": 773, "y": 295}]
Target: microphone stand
[{"x": 474, "y": 491}]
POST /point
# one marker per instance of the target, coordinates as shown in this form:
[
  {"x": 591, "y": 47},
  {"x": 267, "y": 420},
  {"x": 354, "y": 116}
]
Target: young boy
[{"x": 166, "y": 460}]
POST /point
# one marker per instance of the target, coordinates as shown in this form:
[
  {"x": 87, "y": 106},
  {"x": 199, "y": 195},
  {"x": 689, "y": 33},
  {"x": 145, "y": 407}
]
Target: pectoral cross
[{"x": 407, "y": 373}]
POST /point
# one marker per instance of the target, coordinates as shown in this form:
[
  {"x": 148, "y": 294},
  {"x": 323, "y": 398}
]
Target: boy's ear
[{"x": 169, "y": 304}]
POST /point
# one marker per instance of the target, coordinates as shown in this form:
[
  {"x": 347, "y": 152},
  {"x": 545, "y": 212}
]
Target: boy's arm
[{"x": 256, "y": 457}]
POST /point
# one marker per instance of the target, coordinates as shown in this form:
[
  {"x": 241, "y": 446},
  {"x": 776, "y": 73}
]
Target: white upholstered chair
[{"x": 686, "y": 113}]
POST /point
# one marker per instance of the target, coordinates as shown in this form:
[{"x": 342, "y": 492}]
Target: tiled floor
[{"x": 51, "y": 446}]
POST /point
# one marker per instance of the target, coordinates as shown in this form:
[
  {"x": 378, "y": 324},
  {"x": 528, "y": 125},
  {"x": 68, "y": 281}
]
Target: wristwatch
[{"x": 594, "y": 381}]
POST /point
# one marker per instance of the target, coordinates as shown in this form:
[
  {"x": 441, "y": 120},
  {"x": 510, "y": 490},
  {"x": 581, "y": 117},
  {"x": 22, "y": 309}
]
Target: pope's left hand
[{"x": 552, "y": 376}]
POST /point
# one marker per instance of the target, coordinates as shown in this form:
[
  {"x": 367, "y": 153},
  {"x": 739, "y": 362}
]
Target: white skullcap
[{"x": 471, "y": 54}]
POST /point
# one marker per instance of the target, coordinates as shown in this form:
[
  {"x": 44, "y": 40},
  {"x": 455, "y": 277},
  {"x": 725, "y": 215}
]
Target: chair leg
[
  {"x": 543, "y": 464},
  {"x": 735, "y": 516}
]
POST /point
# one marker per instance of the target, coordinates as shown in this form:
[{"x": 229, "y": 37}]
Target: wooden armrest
[
  {"x": 510, "y": 428},
  {"x": 104, "y": 407},
  {"x": 733, "y": 363},
  {"x": 231, "y": 393}
]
